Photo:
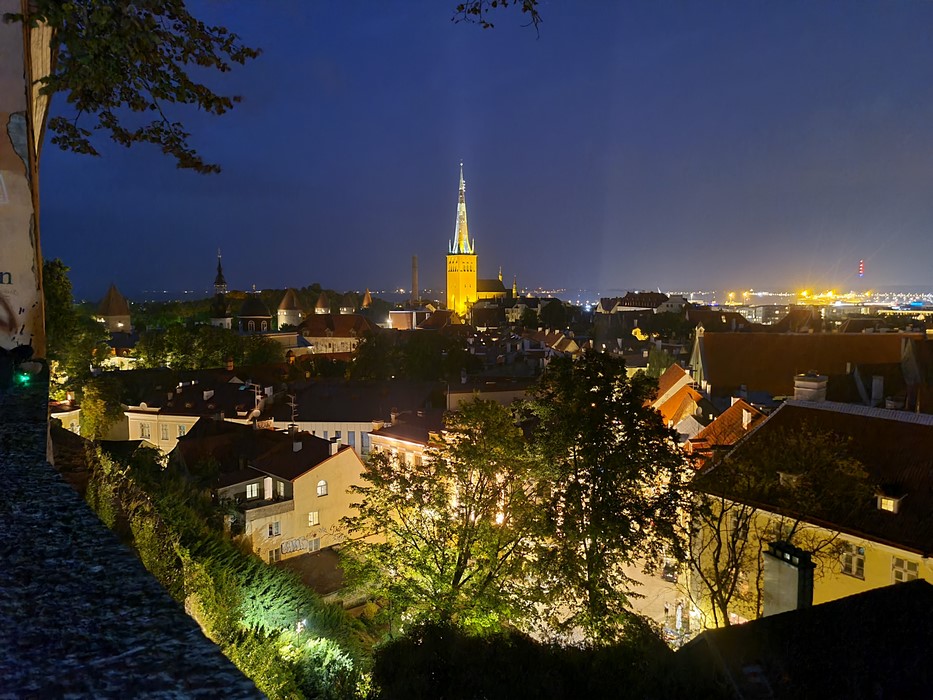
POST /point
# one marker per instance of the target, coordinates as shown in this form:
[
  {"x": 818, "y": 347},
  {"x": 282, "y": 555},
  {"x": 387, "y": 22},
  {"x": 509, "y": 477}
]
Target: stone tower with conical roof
[
  {"x": 114, "y": 311},
  {"x": 322, "y": 306},
  {"x": 290, "y": 312},
  {"x": 461, "y": 260}
]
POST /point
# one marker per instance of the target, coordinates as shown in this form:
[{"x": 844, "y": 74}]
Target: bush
[{"x": 437, "y": 660}]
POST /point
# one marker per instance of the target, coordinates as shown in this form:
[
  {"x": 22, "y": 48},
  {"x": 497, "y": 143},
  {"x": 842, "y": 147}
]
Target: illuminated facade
[{"x": 461, "y": 261}]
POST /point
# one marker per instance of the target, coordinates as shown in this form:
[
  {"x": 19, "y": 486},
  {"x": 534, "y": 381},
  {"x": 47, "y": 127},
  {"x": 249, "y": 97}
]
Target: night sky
[{"x": 640, "y": 144}]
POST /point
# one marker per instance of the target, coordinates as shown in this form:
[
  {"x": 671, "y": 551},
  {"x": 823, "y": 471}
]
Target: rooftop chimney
[
  {"x": 877, "y": 390},
  {"x": 334, "y": 445},
  {"x": 746, "y": 418},
  {"x": 788, "y": 579},
  {"x": 810, "y": 386},
  {"x": 297, "y": 444}
]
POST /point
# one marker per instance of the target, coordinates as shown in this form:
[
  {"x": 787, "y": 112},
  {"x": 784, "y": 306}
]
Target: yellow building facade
[
  {"x": 844, "y": 565},
  {"x": 845, "y": 488},
  {"x": 461, "y": 260},
  {"x": 308, "y": 518}
]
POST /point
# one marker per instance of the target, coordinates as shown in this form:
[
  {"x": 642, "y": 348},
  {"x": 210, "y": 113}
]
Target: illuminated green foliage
[
  {"x": 251, "y": 610},
  {"x": 455, "y": 532}
]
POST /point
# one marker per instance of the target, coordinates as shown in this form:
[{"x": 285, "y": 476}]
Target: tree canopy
[
  {"x": 122, "y": 63},
  {"x": 77, "y": 344},
  {"x": 452, "y": 535},
  {"x": 616, "y": 481},
  {"x": 202, "y": 347}
]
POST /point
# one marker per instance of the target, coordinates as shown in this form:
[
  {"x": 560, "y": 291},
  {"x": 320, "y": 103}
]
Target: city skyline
[{"x": 621, "y": 147}]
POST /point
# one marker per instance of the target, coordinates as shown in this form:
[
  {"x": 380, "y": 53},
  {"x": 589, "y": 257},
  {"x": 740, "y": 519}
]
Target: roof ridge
[{"x": 867, "y": 411}]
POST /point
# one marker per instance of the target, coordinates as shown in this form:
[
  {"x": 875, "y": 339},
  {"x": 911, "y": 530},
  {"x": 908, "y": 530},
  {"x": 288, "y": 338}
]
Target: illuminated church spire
[{"x": 462, "y": 244}]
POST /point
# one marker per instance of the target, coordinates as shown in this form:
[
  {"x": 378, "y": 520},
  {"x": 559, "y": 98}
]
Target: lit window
[
  {"x": 164, "y": 432},
  {"x": 889, "y": 504},
  {"x": 314, "y": 545},
  {"x": 322, "y": 488},
  {"x": 280, "y": 488},
  {"x": 275, "y": 555},
  {"x": 314, "y": 518},
  {"x": 364, "y": 443},
  {"x": 275, "y": 529},
  {"x": 144, "y": 431},
  {"x": 904, "y": 570},
  {"x": 853, "y": 560},
  {"x": 252, "y": 490},
  {"x": 182, "y": 429}
]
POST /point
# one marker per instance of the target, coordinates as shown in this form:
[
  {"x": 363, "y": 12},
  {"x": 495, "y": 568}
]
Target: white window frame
[
  {"x": 275, "y": 528},
  {"x": 252, "y": 491},
  {"x": 145, "y": 431},
  {"x": 275, "y": 555},
  {"x": 182, "y": 430},
  {"x": 314, "y": 518},
  {"x": 322, "y": 488},
  {"x": 164, "y": 431},
  {"x": 903, "y": 570},
  {"x": 280, "y": 488},
  {"x": 853, "y": 560},
  {"x": 314, "y": 544}
]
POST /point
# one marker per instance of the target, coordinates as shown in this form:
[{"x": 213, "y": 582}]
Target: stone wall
[{"x": 79, "y": 615}]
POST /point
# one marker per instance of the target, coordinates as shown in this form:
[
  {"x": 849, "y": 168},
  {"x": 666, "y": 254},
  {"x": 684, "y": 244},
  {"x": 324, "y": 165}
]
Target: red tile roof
[
  {"x": 768, "y": 362},
  {"x": 728, "y": 428},
  {"x": 336, "y": 326}
]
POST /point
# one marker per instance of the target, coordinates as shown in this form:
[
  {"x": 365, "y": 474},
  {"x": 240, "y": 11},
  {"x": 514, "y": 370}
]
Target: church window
[{"x": 251, "y": 326}]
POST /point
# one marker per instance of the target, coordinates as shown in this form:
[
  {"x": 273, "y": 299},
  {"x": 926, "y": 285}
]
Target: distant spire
[
  {"x": 515, "y": 286},
  {"x": 220, "y": 284},
  {"x": 500, "y": 273},
  {"x": 461, "y": 242}
]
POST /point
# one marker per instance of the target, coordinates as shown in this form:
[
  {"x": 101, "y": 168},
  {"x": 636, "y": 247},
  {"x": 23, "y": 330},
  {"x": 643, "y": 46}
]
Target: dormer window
[
  {"x": 889, "y": 497},
  {"x": 889, "y": 503}
]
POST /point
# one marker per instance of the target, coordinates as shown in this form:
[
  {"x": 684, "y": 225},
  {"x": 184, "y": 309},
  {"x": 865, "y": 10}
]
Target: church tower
[
  {"x": 220, "y": 310},
  {"x": 461, "y": 261},
  {"x": 220, "y": 284}
]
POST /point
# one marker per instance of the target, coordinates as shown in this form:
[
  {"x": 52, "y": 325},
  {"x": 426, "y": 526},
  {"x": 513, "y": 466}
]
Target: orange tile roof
[
  {"x": 726, "y": 430},
  {"x": 680, "y": 404},
  {"x": 672, "y": 375}
]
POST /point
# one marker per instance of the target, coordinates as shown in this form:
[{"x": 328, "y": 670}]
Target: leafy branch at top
[
  {"x": 110, "y": 56},
  {"x": 477, "y": 11}
]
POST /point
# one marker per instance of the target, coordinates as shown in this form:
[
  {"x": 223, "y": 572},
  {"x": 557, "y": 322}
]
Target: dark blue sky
[{"x": 686, "y": 145}]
